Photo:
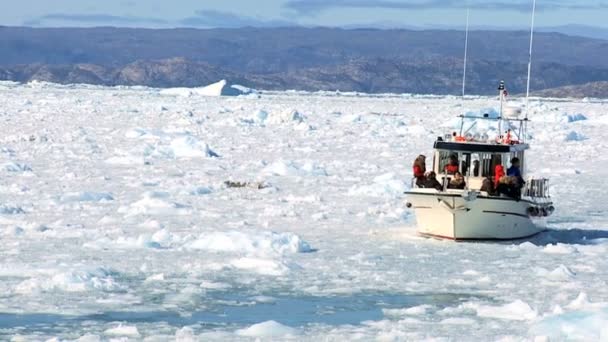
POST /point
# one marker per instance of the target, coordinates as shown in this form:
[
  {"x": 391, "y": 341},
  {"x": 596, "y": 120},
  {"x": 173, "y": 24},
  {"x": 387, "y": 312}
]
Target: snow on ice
[{"x": 137, "y": 213}]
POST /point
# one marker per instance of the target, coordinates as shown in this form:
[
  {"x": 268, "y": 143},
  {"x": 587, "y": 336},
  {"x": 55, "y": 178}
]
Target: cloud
[
  {"x": 94, "y": 19},
  {"x": 210, "y": 18},
  {"x": 313, "y": 7}
]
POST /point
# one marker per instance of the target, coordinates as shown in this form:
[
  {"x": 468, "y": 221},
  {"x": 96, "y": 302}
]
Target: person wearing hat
[{"x": 420, "y": 169}]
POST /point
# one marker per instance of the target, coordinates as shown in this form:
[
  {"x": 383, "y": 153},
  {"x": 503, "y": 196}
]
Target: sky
[{"x": 272, "y": 13}]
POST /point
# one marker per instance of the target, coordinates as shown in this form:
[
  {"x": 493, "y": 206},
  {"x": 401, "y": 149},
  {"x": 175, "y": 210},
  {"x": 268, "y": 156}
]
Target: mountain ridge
[{"x": 366, "y": 60}]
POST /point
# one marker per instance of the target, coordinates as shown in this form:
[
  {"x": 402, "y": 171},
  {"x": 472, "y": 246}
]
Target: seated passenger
[
  {"x": 514, "y": 171},
  {"x": 508, "y": 186},
  {"x": 452, "y": 166},
  {"x": 457, "y": 182},
  {"x": 432, "y": 182},
  {"x": 499, "y": 172},
  {"x": 487, "y": 186}
]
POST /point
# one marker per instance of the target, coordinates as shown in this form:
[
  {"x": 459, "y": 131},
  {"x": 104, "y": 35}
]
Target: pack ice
[{"x": 141, "y": 214}]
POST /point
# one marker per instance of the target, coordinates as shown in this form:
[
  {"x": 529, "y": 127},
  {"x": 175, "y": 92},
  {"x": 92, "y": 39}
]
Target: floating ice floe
[
  {"x": 17, "y": 167},
  {"x": 291, "y": 168},
  {"x": 413, "y": 311},
  {"x": 185, "y": 146},
  {"x": 268, "y": 329},
  {"x": 558, "y": 117},
  {"x": 10, "y": 210},
  {"x": 575, "y": 136},
  {"x": 221, "y": 88},
  {"x": 277, "y": 118},
  {"x": 86, "y": 196},
  {"x": 516, "y": 311},
  {"x": 256, "y": 243},
  {"x": 98, "y": 279},
  {"x": 155, "y": 203},
  {"x": 584, "y": 321},
  {"x": 383, "y": 185},
  {"x": 129, "y": 331}
]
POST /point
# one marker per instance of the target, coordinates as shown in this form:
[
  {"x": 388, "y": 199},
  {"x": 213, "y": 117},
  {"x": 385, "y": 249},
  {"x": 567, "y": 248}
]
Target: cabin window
[
  {"x": 444, "y": 160},
  {"x": 465, "y": 164},
  {"x": 475, "y": 169}
]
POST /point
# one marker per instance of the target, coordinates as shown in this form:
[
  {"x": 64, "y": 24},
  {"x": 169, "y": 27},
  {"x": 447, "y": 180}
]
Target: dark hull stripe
[
  {"x": 477, "y": 239},
  {"x": 505, "y": 213}
]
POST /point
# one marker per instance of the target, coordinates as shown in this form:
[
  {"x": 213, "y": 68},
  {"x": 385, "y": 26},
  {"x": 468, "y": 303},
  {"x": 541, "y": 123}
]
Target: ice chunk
[
  {"x": 384, "y": 185},
  {"x": 574, "y": 326},
  {"x": 123, "y": 330},
  {"x": 575, "y": 136},
  {"x": 221, "y": 88},
  {"x": 155, "y": 203},
  {"x": 288, "y": 116},
  {"x": 87, "y": 196},
  {"x": 281, "y": 168},
  {"x": 71, "y": 281},
  {"x": 559, "y": 248},
  {"x": 271, "y": 329},
  {"x": 10, "y": 210},
  {"x": 17, "y": 167},
  {"x": 517, "y": 311},
  {"x": 190, "y": 147},
  {"x": 252, "y": 242},
  {"x": 261, "y": 266},
  {"x": 185, "y": 334},
  {"x": 413, "y": 311}
]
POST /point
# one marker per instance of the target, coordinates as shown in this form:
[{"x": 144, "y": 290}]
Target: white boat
[{"x": 471, "y": 213}]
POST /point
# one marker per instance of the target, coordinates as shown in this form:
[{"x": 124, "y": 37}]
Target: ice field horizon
[{"x": 133, "y": 213}]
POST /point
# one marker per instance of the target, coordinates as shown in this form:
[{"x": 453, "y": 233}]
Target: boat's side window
[
  {"x": 444, "y": 160},
  {"x": 475, "y": 165},
  {"x": 465, "y": 163},
  {"x": 486, "y": 164}
]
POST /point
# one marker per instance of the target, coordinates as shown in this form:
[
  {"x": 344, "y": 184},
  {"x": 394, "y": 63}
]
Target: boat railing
[{"x": 537, "y": 187}]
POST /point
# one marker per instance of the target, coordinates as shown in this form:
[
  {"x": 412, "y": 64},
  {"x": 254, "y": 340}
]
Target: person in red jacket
[
  {"x": 499, "y": 172},
  {"x": 420, "y": 169},
  {"x": 452, "y": 166}
]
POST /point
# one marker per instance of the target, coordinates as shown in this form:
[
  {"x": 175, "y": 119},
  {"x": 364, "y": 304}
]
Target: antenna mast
[
  {"x": 530, "y": 57},
  {"x": 466, "y": 48}
]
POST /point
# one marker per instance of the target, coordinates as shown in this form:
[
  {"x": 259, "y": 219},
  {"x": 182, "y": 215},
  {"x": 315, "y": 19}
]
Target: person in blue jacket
[{"x": 514, "y": 171}]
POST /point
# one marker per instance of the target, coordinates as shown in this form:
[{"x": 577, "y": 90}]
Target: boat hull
[{"x": 459, "y": 216}]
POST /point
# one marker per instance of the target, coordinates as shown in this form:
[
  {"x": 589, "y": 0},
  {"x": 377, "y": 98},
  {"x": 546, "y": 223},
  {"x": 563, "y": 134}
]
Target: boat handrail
[{"x": 537, "y": 187}]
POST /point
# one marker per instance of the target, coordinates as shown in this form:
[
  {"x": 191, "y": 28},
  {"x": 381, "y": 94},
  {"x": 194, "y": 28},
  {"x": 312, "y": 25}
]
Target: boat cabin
[{"x": 476, "y": 160}]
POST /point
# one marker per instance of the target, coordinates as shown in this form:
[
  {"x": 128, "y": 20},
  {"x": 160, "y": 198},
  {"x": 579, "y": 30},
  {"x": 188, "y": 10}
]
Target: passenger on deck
[
  {"x": 452, "y": 166},
  {"x": 499, "y": 172},
  {"x": 457, "y": 182},
  {"x": 487, "y": 186},
  {"x": 432, "y": 182},
  {"x": 419, "y": 170},
  {"x": 514, "y": 171},
  {"x": 508, "y": 186}
]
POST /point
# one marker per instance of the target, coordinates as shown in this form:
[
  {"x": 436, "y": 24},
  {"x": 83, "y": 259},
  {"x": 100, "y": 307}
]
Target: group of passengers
[
  {"x": 508, "y": 184},
  {"x": 429, "y": 179}
]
